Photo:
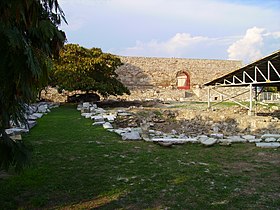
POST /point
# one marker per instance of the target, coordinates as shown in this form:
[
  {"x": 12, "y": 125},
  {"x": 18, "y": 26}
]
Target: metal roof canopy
[{"x": 263, "y": 72}]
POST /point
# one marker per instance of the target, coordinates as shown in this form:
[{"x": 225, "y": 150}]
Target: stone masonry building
[{"x": 174, "y": 79}]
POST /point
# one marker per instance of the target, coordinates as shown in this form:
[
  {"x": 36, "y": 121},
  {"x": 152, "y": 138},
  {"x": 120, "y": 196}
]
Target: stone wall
[
  {"x": 149, "y": 78},
  {"x": 155, "y": 78}
]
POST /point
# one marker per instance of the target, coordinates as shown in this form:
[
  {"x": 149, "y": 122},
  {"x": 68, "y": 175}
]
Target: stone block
[
  {"x": 43, "y": 109},
  {"x": 225, "y": 142},
  {"x": 36, "y": 115},
  {"x": 107, "y": 125},
  {"x": 268, "y": 145},
  {"x": 31, "y": 123},
  {"x": 209, "y": 142},
  {"x": 270, "y": 139},
  {"x": 16, "y": 131},
  {"x": 119, "y": 131},
  {"x": 79, "y": 107},
  {"x": 248, "y": 137},
  {"x": 92, "y": 109},
  {"x": 110, "y": 117},
  {"x": 217, "y": 135},
  {"x": 98, "y": 123},
  {"x": 100, "y": 111},
  {"x": 124, "y": 114},
  {"x": 175, "y": 140},
  {"x": 265, "y": 136},
  {"x": 16, "y": 137},
  {"x": 86, "y": 105},
  {"x": 254, "y": 140},
  {"x": 86, "y": 115},
  {"x": 97, "y": 118},
  {"x": 236, "y": 139},
  {"x": 134, "y": 135}
]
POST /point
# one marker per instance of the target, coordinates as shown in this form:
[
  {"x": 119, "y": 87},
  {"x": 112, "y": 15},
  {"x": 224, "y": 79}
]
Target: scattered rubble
[{"x": 152, "y": 125}]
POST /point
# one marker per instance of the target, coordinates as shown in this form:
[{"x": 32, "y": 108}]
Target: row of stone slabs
[
  {"x": 105, "y": 118},
  {"x": 32, "y": 113}
]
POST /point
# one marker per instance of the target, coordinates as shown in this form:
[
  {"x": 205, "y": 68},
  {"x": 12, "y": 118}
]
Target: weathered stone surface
[
  {"x": 98, "y": 123},
  {"x": 217, "y": 135},
  {"x": 100, "y": 111},
  {"x": 31, "y": 109},
  {"x": 236, "y": 139},
  {"x": 36, "y": 115},
  {"x": 92, "y": 109},
  {"x": 175, "y": 140},
  {"x": 208, "y": 142},
  {"x": 43, "y": 109},
  {"x": 85, "y": 110},
  {"x": 16, "y": 137},
  {"x": 86, "y": 115},
  {"x": 133, "y": 135},
  {"x": 270, "y": 139},
  {"x": 107, "y": 125},
  {"x": 97, "y": 118},
  {"x": 94, "y": 106},
  {"x": 224, "y": 143},
  {"x": 265, "y": 136},
  {"x": 31, "y": 123},
  {"x": 165, "y": 144},
  {"x": 86, "y": 105},
  {"x": 268, "y": 145},
  {"x": 16, "y": 131},
  {"x": 110, "y": 117},
  {"x": 124, "y": 114},
  {"x": 216, "y": 127},
  {"x": 79, "y": 107},
  {"x": 202, "y": 137},
  {"x": 254, "y": 140},
  {"x": 119, "y": 131},
  {"x": 248, "y": 137}
]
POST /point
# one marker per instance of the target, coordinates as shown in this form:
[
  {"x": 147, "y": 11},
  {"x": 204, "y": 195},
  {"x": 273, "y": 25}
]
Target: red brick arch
[{"x": 183, "y": 80}]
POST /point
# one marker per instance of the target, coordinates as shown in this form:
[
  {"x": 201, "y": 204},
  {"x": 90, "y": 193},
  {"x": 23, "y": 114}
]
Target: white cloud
[
  {"x": 256, "y": 43},
  {"x": 177, "y": 46},
  {"x": 181, "y": 45},
  {"x": 210, "y": 29}
]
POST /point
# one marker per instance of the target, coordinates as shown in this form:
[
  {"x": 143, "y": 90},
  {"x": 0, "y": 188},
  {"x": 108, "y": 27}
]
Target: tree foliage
[
  {"x": 88, "y": 70},
  {"x": 29, "y": 38}
]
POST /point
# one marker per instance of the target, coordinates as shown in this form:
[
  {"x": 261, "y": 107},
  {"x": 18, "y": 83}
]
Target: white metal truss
[
  {"x": 256, "y": 77},
  {"x": 264, "y": 72}
]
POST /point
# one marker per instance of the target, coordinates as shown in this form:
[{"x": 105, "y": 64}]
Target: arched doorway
[{"x": 183, "y": 81}]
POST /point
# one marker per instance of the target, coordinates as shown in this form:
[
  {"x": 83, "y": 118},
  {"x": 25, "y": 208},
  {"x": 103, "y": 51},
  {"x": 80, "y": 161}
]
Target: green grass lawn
[{"x": 78, "y": 166}]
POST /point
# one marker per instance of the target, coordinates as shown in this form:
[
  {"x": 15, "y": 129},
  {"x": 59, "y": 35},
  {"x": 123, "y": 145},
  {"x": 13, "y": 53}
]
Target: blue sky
[{"x": 207, "y": 29}]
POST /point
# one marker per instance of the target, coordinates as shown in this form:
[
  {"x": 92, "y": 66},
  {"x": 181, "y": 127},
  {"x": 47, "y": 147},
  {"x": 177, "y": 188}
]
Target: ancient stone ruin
[
  {"x": 171, "y": 79},
  {"x": 166, "y": 79},
  {"x": 167, "y": 127}
]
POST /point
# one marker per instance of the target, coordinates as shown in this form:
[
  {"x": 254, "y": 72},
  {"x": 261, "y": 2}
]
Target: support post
[
  {"x": 256, "y": 100},
  {"x": 251, "y": 100},
  {"x": 209, "y": 98}
]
